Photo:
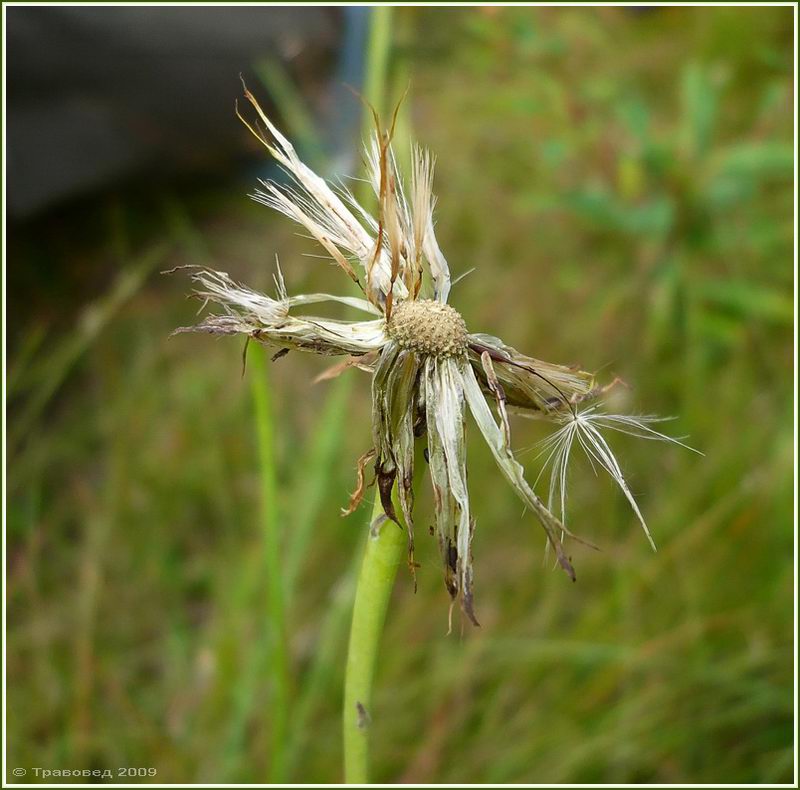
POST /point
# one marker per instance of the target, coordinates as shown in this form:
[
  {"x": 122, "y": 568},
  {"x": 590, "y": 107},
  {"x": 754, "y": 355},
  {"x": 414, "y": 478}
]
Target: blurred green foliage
[{"x": 622, "y": 182}]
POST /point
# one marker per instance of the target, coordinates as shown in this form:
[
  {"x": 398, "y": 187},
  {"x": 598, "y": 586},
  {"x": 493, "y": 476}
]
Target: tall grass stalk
[
  {"x": 379, "y": 45},
  {"x": 313, "y": 479},
  {"x": 384, "y": 549},
  {"x": 293, "y": 108},
  {"x": 279, "y": 653},
  {"x": 321, "y": 679},
  {"x": 95, "y": 317}
]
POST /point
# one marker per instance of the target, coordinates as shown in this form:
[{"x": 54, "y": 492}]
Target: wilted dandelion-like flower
[{"x": 427, "y": 368}]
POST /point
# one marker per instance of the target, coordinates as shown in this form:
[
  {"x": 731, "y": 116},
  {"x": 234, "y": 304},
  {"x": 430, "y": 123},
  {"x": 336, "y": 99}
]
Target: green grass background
[{"x": 621, "y": 181}]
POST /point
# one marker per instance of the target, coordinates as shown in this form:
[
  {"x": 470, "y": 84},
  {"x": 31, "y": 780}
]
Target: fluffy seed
[{"x": 428, "y": 327}]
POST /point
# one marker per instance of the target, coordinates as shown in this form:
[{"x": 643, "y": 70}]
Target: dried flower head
[{"x": 427, "y": 368}]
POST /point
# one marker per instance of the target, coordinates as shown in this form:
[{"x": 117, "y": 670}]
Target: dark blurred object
[{"x": 96, "y": 95}]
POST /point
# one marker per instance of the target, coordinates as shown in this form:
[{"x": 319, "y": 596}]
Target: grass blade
[{"x": 279, "y": 653}]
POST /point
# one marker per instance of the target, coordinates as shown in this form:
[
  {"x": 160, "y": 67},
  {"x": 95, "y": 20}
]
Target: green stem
[
  {"x": 385, "y": 548},
  {"x": 385, "y": 551},
  {"x": 376, "y": 67},
  {"x": 279, "y": 652}
]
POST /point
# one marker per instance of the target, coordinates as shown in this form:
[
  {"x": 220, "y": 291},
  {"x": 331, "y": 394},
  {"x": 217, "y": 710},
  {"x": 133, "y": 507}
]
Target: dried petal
[
  {"x": 322, "y": 212},
  {"x": 269, "y": 320},
  {"x": 444, "y": 399},
  {"x": 529, "y": 383},
  {"x": 512, "y": 470}
]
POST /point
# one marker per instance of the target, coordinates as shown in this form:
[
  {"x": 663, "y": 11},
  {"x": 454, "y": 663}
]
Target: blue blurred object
[
  {"x": 97, "y": 95},
  {"x": 346, "y": 116}
]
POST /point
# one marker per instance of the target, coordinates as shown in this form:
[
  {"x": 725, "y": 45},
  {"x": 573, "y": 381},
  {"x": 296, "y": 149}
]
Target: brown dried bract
[{"x": 361, "y": 485}]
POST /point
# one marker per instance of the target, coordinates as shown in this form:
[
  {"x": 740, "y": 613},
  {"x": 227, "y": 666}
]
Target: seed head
[
  {"x": 427, "y": 371},
  {"x": 428, "y": 327}
]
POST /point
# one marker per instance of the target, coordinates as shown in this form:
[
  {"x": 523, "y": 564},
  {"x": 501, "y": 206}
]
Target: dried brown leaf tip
[{"x": 427, "y": 370}]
